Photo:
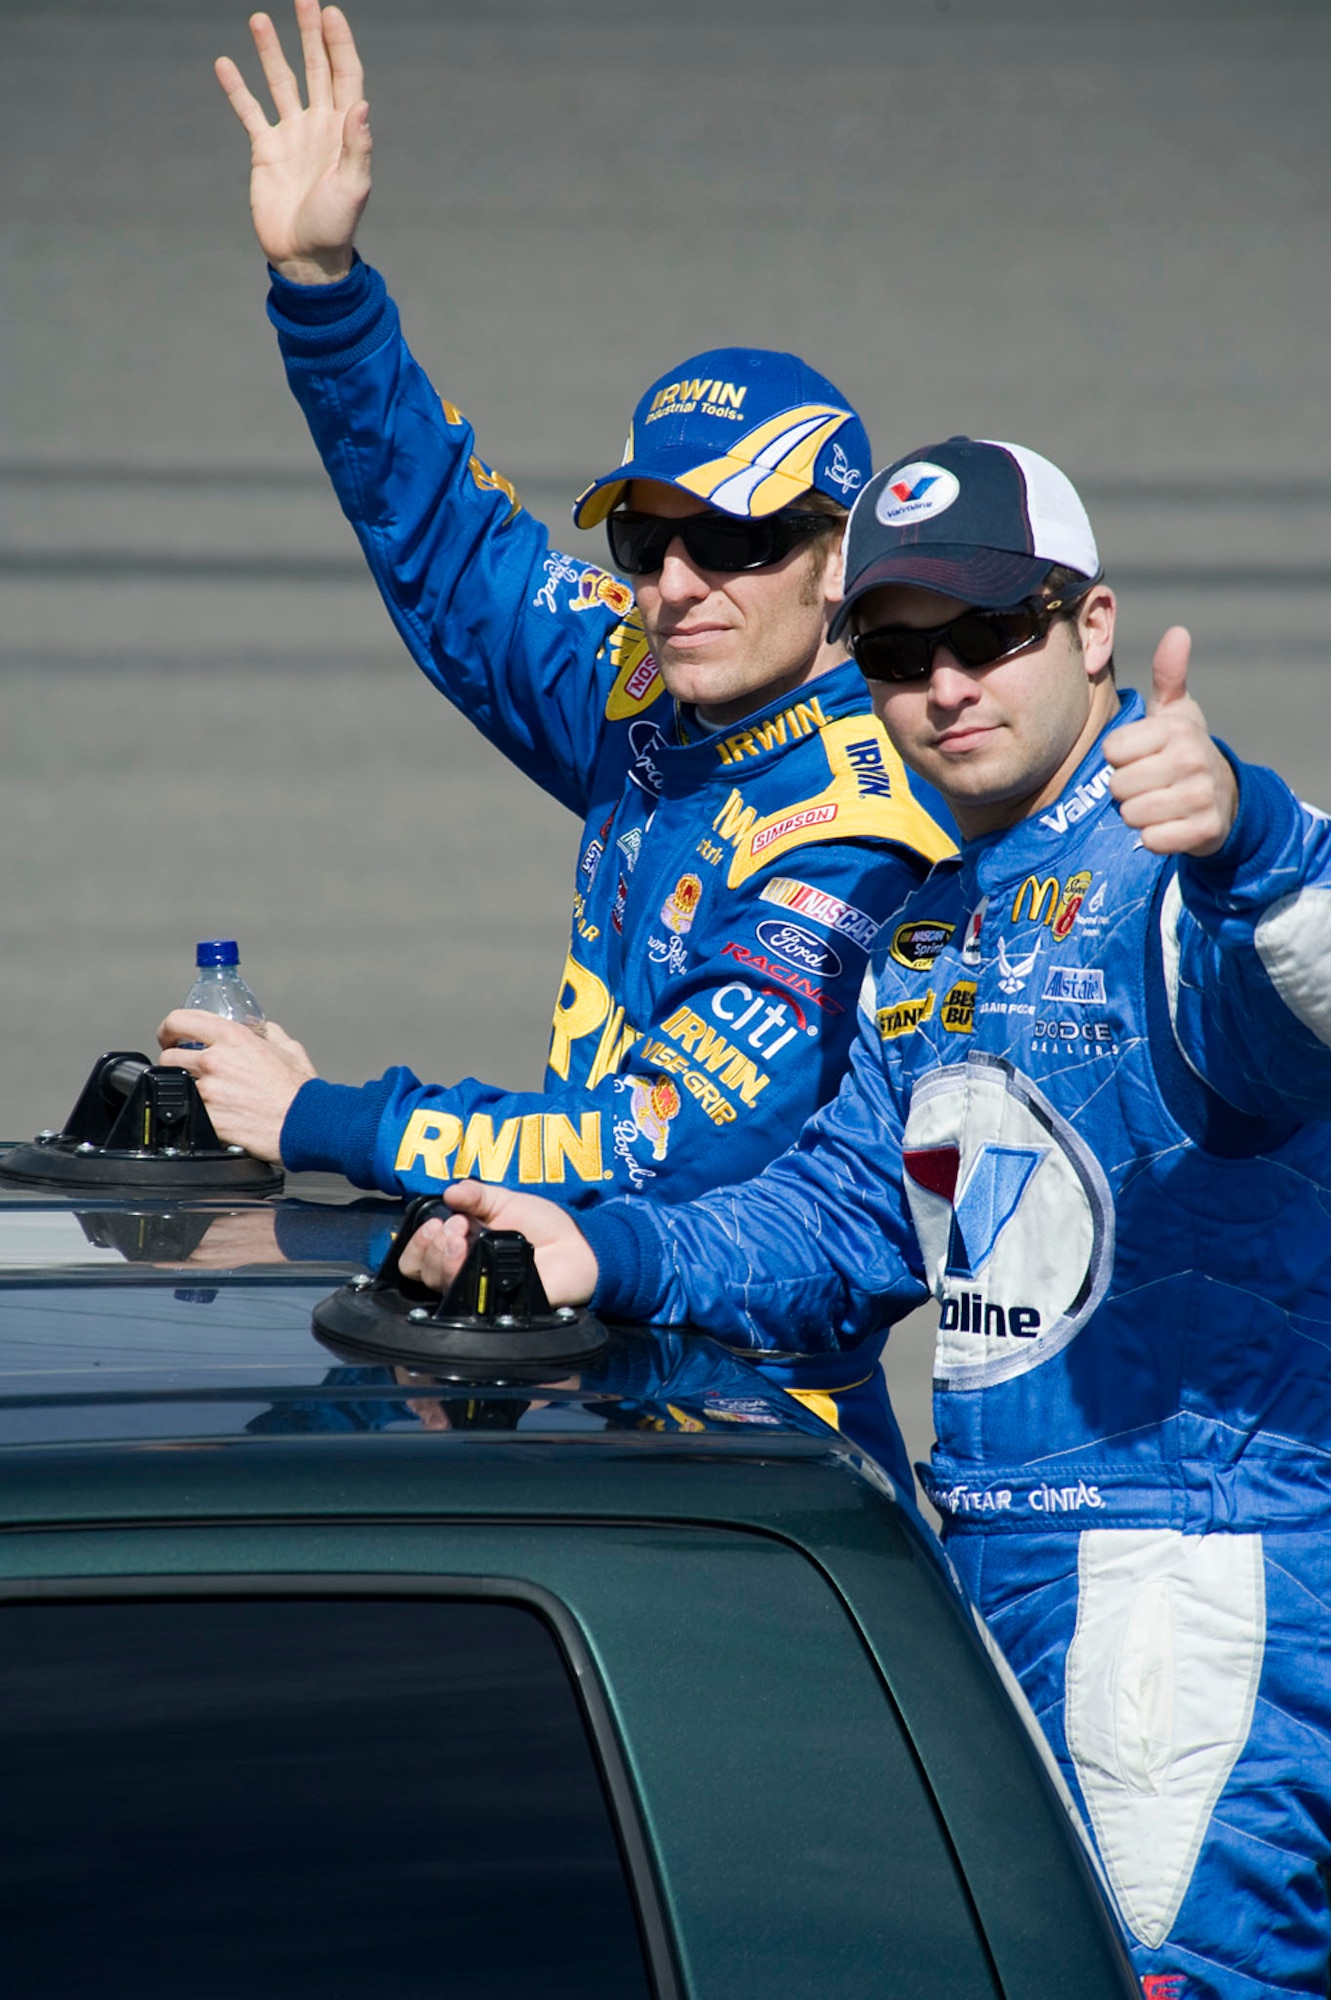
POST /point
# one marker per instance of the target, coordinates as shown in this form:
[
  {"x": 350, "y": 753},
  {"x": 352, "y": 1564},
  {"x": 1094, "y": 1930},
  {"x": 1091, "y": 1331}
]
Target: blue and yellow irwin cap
[{"x": 745, "y": 429}]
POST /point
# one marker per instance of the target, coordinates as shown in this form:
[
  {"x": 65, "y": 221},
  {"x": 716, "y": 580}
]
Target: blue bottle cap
[{"x": 217, "y": 951}]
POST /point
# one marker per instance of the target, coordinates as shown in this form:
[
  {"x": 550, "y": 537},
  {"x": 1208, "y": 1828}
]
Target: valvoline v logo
[
  {"x": 984, "y": 1205},
  {"x": 1014, "y": 1218},
  {"x": 904, "y": 491},
  {"x": 916, "y": 492}
]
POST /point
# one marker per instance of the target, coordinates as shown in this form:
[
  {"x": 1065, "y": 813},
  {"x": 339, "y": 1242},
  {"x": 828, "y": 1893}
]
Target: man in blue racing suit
[
  {"x": 1086, "y": 1112},
  {"x": 747, "y": 824}
]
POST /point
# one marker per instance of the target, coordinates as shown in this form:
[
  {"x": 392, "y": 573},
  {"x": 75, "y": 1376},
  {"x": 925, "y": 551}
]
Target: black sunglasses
[
  {"x": 638, "y": 542},
  {"x": 903, "y": 653}
]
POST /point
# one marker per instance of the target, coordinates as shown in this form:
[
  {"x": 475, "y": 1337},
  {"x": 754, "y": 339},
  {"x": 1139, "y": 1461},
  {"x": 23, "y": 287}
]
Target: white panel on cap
[{"x": 1060, "y": 527}]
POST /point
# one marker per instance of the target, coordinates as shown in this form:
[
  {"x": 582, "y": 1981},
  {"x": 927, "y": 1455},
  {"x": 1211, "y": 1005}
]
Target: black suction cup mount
[
  {"x": 141, "y": 1126},
  {"x": 494, "y": 1324}
]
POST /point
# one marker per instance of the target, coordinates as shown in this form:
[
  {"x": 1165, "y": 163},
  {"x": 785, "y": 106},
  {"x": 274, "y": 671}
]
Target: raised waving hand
[
  {"x": 1169, "y": 779},
  {"x": 310, "y": 172}
]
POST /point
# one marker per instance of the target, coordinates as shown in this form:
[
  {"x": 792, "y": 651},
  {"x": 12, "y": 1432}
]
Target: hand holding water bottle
[
  {"x": 219, "y": 988},
  {"x": 248, "y": 1069}
]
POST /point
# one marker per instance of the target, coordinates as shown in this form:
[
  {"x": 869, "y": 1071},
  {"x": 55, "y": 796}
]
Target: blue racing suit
[
  {"x": 1085, "y": 1111},
  {"x": 728, "y": 885}
]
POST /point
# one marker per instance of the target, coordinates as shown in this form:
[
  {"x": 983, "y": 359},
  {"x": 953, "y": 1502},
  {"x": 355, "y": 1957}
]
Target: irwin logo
[
  {"x": 871, "y": 776},
  {"x": 703, "y": 1043},
  {"x": 544, "y": 1143},
  {"x": 789, "y": 726},
  {"x": 724, "y": 396}
]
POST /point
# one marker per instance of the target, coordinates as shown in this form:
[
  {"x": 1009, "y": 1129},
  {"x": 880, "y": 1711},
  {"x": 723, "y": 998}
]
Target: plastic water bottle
[{"x": 219, "y": 988}]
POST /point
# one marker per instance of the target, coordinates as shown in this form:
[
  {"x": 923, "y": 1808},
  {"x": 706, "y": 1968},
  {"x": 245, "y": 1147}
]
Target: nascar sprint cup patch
[{"x": 1014, "y": 1218}]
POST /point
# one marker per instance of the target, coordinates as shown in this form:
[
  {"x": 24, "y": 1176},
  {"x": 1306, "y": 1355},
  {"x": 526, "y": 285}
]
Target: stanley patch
[{"x": 905, "y": 1017}]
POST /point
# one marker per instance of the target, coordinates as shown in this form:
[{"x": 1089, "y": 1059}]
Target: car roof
[
  {"x": 131, "y": 1317},
  {"x": 160, "y": 1371}
]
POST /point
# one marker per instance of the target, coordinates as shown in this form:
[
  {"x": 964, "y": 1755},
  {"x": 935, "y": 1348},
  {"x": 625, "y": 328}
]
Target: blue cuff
[
  {"x": 331, "y": 1128},
  {"x": 628, "y": 1260},
  {"x": 318, "y": 325},
  {"x": 1267, "y": 819}
]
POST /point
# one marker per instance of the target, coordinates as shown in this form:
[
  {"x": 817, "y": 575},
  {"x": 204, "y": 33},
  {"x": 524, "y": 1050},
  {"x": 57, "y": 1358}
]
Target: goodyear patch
[
  {"x": 905, "y": 1017},
  {"x": 917, "y": 944}
]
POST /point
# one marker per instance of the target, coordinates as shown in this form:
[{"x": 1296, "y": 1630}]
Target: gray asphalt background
[{"x": 1097, "y": 228}]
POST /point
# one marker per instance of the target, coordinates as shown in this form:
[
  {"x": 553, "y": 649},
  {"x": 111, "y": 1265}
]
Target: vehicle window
[{"x": 214, "y": 1798}]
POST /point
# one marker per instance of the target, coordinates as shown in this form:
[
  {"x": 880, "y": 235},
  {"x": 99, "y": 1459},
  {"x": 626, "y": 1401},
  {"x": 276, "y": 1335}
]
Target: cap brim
[
  {"x": 994, "y": 579},
  {"x": 604, "y": 494}
]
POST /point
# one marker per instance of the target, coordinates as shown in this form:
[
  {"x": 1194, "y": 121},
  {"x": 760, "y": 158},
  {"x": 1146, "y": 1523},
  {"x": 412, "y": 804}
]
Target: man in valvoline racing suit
[
  {"x": 747, "y": 824},
  {"x": 1086, "y": 1112}
]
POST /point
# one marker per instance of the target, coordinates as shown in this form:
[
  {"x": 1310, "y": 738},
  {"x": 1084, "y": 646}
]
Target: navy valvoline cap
[
  {"x": 968, "y": 518},
  {"x": 745, "y": 429}
]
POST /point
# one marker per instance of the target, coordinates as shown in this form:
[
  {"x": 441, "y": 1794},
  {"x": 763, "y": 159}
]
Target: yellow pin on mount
[
  {"x": 138, "y": 1126},
  {"x": 494, "y": 1323}
]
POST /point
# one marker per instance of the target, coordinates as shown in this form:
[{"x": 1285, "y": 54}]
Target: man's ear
[
  {"x": 834, "y": 572},
  {"x": 1096, "y": 617}
]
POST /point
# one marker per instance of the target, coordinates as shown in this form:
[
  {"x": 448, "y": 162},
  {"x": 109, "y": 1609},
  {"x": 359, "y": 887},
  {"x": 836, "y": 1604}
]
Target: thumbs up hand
[{"x": 1168, "y": 778}]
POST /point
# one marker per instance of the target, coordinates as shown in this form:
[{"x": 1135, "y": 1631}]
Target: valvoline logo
[
  {"x": 905, "y": 492},
  {"x": 1014, "y": 1219},
  {"x": 916, "y": 492},
  {"x": 983, "y": 1205}
]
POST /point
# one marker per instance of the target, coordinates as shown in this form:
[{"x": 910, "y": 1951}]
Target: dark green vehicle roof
[{"x": 818, "y": 1779}]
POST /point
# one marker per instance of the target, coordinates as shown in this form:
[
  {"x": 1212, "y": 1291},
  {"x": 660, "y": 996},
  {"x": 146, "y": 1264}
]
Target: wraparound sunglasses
[
  {"x": 904, "y": 653},
  {"x": 638, "y": 542}
]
